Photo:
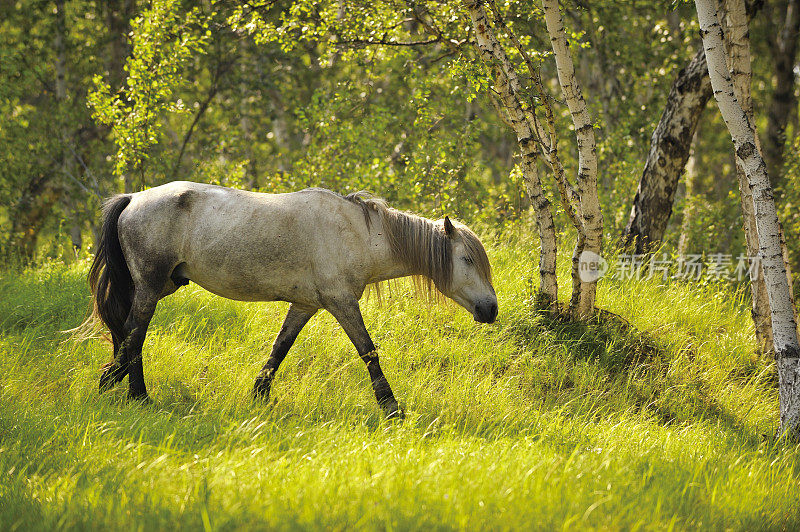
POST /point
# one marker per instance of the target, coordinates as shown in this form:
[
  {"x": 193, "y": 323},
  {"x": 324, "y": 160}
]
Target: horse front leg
[
  {"x": 349, "y": 317},
  {"x": 294, "y": 322}
]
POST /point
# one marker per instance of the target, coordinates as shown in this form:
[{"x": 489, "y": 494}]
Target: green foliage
[
  {"x": 276, "y": 96},
  {"x": 164, "y": 39},
  {"x": 659, "y": 418},
  {"x": 32, "y": 119}
]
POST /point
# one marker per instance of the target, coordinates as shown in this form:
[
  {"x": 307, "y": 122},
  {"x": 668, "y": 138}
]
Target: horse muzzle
[{"x": 486, "y": 312}]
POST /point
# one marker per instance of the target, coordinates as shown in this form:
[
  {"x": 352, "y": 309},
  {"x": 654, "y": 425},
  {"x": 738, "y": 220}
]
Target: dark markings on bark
[
  {"x": 669, "y": 151},
  {"x": 671, "y": 140},
  {"x": 788, "y": 352},
  {"x": 745, "y": 151}
]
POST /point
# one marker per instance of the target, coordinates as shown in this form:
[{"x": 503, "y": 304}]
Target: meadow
[{"x": 655, "y": 415}]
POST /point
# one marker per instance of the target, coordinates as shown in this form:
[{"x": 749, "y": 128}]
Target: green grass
[{"x": 662, "y": 422}]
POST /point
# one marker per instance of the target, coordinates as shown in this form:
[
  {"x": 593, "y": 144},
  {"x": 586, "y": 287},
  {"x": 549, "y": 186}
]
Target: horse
[{"x": 313, "y": 248}]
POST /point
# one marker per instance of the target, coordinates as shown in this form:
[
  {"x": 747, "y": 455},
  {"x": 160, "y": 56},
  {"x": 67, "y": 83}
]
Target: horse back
[{"x": 246, "y": 245}]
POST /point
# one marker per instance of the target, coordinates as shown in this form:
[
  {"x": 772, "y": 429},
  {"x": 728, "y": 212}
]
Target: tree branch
[
  {"x": 212, "y": 91},
  {"x": 384, "y": 42}
]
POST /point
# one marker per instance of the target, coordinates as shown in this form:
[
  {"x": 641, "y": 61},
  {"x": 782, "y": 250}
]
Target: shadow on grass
[{"x": 636, "y": 367}]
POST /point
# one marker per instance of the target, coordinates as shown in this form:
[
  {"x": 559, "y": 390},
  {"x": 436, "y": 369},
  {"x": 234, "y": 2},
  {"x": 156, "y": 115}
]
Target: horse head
[{"x": 470, "y": 284}]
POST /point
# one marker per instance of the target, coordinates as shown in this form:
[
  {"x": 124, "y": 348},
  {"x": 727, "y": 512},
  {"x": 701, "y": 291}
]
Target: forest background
[
  {"x": 276, "y": 97},
  {"x": 660, "y": 410}
]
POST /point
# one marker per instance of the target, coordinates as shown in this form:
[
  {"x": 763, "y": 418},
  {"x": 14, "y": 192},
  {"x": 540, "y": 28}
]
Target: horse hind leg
[
  {"x": 142, "y": 310},
  {"x": 117, "y": 369},
  {"x": 114, "y": 372},
  {"x": 128, "y": 351}
]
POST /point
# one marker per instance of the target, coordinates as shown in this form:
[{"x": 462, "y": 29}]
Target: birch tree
[
  {"x": 590, "y": 235},
  {"x": 538, "y": 138},
  {"x": 520, "y": 118},
  {"x": 784, "y": 328},
  {"x": 670, "y": 147},
  {"x": 669, "y": 151},
  {"x": 737, "y": 43}
]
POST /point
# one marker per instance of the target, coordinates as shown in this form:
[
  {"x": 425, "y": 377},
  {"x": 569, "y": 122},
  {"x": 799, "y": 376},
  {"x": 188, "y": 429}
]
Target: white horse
[{"x": 313, "y": 248}]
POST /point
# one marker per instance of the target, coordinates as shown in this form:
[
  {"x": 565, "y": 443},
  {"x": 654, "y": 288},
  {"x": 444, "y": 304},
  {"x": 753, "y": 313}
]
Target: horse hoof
[
  {"x": 261, "y": 390},
  {"x": 141, "y": 398},
  {"x": 395, "y": 413}
]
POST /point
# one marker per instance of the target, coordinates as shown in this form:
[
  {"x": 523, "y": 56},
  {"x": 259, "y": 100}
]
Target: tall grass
[{"x": 662, "y": 418}]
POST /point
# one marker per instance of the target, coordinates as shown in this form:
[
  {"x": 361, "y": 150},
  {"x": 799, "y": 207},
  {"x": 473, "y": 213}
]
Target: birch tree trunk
[
  {"x": 538, "y": 137},
  {"x": 548, "y": 283},
  {"x": 591, "y": 238},
  {"x": 669, "y": 151},
  {"x": 68, "y": 193},
  {"x": 784, "y": 328},
  {"x": 507, "y": 86},
  {"x": 737, "y": 43}
]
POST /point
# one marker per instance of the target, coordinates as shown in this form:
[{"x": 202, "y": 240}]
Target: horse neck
[
  {"x": 393, "y": 250},
  {"x": 385, "y": 265}
]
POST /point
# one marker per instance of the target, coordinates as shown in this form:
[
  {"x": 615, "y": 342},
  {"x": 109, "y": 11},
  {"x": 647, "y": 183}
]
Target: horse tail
[{"x": 109, "y": 278}]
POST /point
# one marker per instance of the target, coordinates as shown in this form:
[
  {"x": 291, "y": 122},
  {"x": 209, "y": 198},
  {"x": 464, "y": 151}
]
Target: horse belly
[
  {"x": 253, "y": 288},
  {"x": 262, "y": 270}
]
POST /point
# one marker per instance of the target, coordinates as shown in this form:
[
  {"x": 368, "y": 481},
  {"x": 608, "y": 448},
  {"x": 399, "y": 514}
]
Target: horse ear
[{"x": 449, "y": 230}]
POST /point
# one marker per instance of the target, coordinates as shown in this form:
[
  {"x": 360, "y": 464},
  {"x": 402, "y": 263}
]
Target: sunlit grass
[{"x": 533, "y": 422}]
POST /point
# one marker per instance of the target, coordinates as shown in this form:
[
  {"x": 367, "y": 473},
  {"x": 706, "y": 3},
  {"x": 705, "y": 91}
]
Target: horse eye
[{"x": 468, "y": 260}]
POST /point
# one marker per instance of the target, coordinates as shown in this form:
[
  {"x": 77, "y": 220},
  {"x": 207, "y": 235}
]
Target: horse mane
[{"x": 421, "y": 244}]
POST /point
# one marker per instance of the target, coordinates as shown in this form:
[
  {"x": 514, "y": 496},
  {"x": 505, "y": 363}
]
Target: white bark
[
  {"x": 521, "y": 120},
  {"x": 784, "y": 328},
  {"x": 548, "y": 282},
  {"x": 591, "y": 216},
  {"x": 737, "y": 44}
]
